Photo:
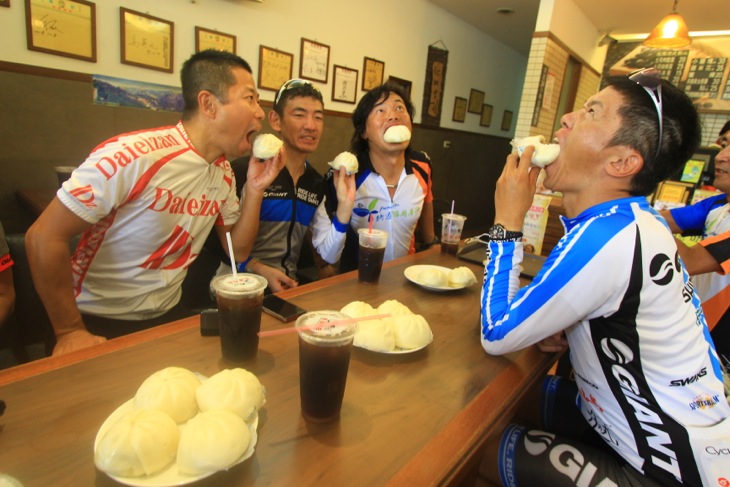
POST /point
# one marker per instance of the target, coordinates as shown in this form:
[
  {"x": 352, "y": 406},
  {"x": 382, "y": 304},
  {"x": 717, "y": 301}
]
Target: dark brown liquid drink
[
  {"x": 371, "y": 263},
  {"x": 240, "y": 323},
  {"x": 322, "y": 379},
  {"x": 449, "y": 248}
]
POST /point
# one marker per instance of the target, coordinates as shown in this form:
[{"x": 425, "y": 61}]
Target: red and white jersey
[{"x": 151, "y": 200}]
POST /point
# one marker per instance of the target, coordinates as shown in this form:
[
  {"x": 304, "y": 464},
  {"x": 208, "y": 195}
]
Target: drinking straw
[
  {"x": 319, "y": 326},
  {"x": 370, "y": 223},
  {"x": 452, "y": 207},
  {"x": 230, "y": 253}
]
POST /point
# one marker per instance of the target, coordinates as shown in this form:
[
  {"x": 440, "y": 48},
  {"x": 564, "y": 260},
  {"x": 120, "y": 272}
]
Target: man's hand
[
  {"x": 515, "y": 190},
  {"x": 555, "y": 343},
  {"x": 345, "y": 188},
  {"x": 75, "y": 340},
  {"x": 278, "y": 281},
  {"x": 261, "y": 174}
]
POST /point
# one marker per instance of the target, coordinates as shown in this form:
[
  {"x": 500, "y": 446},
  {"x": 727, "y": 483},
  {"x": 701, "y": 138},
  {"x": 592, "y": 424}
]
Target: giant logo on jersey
[{"x": 174, "y": 253}]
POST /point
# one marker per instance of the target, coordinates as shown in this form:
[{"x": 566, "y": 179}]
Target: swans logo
[
  {"x": 662, "y": 269},
  {"x": 536, "y": 442}
]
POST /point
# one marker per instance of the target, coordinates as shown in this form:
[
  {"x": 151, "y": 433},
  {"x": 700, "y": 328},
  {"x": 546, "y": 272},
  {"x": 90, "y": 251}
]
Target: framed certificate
[
  {"x": 4, "y": 3},
  {"x": 507, "y": 120},
  {"x": 459, "y": 114},
  {"x": 147, "y": 41},
  {"x": 372, "y": 73},
  {"x": 61, "y": 27},
  {"x": 212, "y": 39},
  {"x": 275, "y": 68},
  {"x": 314, "y": 61},
  {"x": 476, "y": 100},
  {"x": 403, "y": 83},
  {"x": 344, "y": 87},
  {"x": 486, "y": 118}
]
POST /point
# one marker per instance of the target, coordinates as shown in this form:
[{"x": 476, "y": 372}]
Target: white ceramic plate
[
  {"x": 170, "y": 476},
  {"x": 398, "y": 351},
  {"x": 414, "y": 271}
]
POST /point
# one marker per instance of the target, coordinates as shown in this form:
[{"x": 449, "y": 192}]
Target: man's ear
[
  {"x": 625, "y": 163},
  {"x": 207, "y": 103},
  {"x": 274, "y": 120}
]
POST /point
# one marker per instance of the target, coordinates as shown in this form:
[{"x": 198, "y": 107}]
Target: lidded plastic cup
[
  {"x": 374, "y": 239},
  {"x": 327, "y": 334},
  {"x": 240, "y": 285}
]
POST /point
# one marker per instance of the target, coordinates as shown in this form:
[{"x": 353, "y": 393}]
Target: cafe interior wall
[{"x": 48, "y": 117}]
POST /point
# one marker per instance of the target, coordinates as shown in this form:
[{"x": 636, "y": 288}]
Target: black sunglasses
[{"x": 651, "y": 80}]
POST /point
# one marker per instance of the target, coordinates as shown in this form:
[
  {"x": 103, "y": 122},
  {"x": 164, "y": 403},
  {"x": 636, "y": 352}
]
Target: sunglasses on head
[
  {"x": 290, "y": 85},
  {"x": 650, "y": 79}
]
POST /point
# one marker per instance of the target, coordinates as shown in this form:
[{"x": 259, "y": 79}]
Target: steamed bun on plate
[
  {"x": 212, "y": 441},
  {"x": 395, "y": 308},
  {"x": 544, "y": 153},
  {"x": 346, "y": 160},
  {"x": 171, "y": 390},
  {"x": 432, "y": 277},
  {"x": 234, "y": 390},
  {"x": 375, "y": 335},
  {"x": 266, "y": 146},
  {"x": 139, "y": 443},
  {"x": 411, "y": 331},
  {"x": 397, "y": 134},
  {"x": 357, "y": 309},
  {"x": 461, "y": 277}
]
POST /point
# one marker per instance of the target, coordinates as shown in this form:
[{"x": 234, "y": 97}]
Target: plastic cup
[
  {"x": 371, "y": 253},
  {"x": 240, "y": 299},
  {"x": 324, "y": 358},
  {"x": 451, "y": 227},
  {"x": 63, "y": 173}
]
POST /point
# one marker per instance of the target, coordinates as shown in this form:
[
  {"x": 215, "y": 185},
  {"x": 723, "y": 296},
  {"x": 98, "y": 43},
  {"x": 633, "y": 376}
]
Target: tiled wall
[{"x": 711, "y": 125}]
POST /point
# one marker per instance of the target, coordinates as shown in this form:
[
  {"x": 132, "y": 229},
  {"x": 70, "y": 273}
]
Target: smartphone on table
[{"x": 281, "y": 309}]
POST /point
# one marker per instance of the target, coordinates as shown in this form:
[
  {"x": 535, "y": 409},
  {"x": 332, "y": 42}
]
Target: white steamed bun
[
  {"x": 411, "y": 331},
  {"x": 397, "y": 134},
  {"x": 394, "y": 307},
  {"x": 139, "y": 443},
  {"x": 266, "y": 146},
  {"x": 461, "y": 277},
  {"x": 211, "y": 441},
  {"x": 171, "y": 390},
  {"x": 357, "y": 309},
  {"x": 432, "y": 277},
  {"x": 544, "y": 153},
  {"x": 346, "y": 160},
  {"x": 235, "y": 390},
  {"x": 375, "y": 335}
]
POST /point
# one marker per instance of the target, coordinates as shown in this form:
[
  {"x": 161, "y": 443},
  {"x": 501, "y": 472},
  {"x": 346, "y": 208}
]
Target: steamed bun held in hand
[
  {"x": 346, "y": 160},
  {"x": 235, "y": 390},
  {"x": 266, "y": 146},
  {"x": 544, "y": 153},
  {"x": 397, "y": 134},
  {"x": 212, "y": 441},
  {"x": 140, "y": 443},
  {"x": 171, "y": 390}
]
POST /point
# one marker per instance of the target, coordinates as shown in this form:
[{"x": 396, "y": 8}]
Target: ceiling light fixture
[{"x": 671, "y": 32}]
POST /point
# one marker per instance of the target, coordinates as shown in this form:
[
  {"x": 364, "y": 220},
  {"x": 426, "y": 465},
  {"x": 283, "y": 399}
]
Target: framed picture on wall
[
  {"x": 275, "y": 68},
  {"x": 344, "y": 87},
  {"x": 459, "y": 114},
  {"x": 212, "y": 39},
  {"x": 476, "y": 100},
  {"x": 61, "y": 27},
  {"x": 486, "y": 118},
  {"x": 404, "y": 83},
  {"x": 372, "y": 73},
  {"x": 507, "y": 120},
  {"x": 314, "y": 61},
  {"x": 147, "y": 41},
  {"x": 4, "y": 3}
]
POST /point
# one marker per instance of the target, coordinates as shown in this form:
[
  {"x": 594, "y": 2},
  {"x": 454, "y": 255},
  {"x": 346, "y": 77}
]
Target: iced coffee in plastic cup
[
  {"x": 324, "y": 358},
  {"x": 451, "y": 227},
  {"x": 240, "y": 299},
  {"x": 371, "y": 253}
]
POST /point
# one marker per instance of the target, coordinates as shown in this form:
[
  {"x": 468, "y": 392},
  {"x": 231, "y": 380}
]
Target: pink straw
[
  {"x": 370, "y": 223},
  {"x": 319, "y": 326}
]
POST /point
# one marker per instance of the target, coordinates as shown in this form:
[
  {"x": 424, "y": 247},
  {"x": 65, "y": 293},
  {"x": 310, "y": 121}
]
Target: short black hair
[
  {"x": 304, "y": 89},
  {"x": 210, "y": 70},
  {"x": 639, "y": 130},
  {"x": 366, "y": 105},
  {"x": 724, "y": 128}
]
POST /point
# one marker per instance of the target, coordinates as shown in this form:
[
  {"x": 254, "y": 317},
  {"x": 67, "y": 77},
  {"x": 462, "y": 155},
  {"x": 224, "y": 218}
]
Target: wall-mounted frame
[
  {"x": 4, "y": 3},
  {"x": 314, "y": 60},
  {"x": 404, "y": 83},
  {"x": 507, "y": 120},
  {"x": 372, "y": 73},
  {"x": 459, "y": 114},
  {"x": 275, "y": 68},
  {"x": 344, "y": 87},
  {"x": 476, "y": 100},
  {"x": 147, "y": 41},
  {"x": 486, "y": 118},
  {"x": 61, "y": 27},
  {"x": 674, "y": 192},
  {"x": 212, "y": 39}
]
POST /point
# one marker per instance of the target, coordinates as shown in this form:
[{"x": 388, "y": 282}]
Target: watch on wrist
[{"x": 498, "y": 233}]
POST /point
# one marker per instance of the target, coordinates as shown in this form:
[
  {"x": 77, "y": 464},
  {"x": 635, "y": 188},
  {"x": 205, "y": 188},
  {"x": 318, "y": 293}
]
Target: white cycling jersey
[{"x": 151, "y": 200}]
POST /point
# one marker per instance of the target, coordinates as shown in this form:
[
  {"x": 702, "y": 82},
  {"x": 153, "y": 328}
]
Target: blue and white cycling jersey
[{"x": 647, "y": 371}]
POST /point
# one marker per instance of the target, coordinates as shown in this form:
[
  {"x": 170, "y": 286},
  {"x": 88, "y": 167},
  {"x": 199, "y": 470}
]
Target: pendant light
[{"x": 671, "y": 32}]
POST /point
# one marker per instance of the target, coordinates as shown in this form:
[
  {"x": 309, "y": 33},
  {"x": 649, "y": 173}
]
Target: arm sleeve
[
  {"x": 328, "y": 235},
  {"x": 693, "y": 217},
  {"x": 719, "y": 247}
]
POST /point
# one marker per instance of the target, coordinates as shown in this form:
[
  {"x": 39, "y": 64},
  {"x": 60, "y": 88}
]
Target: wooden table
[{"x": 414, "y": 420}]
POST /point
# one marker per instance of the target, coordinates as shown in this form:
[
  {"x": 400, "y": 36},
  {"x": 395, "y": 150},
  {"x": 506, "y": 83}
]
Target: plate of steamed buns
[{"x": 437, "y": 278}]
